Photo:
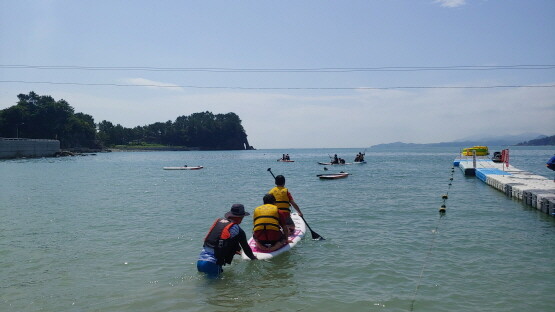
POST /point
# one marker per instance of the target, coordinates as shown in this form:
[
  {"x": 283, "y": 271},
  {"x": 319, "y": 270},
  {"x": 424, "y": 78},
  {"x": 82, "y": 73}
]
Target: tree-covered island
[{"x": 41, "y": 117}]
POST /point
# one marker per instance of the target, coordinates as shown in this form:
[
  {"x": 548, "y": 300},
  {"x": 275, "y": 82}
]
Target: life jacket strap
[
  {"x": 265, "y": 224},
  {"x": 271, "y": 217}
]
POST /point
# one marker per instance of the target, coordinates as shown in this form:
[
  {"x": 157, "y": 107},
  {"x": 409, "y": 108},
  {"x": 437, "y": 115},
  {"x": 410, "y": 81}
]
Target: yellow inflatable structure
[{"x": 480, "y": 151}]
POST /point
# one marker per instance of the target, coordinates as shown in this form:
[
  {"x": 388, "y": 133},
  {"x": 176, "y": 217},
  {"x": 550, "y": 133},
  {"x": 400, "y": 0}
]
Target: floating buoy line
[{"x": 442, "y": 212}]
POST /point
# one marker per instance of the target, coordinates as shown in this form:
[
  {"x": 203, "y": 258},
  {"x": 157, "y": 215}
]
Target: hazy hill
[
  {"x": 471, "y": 141},
  {"x": 539, "y": 142}
]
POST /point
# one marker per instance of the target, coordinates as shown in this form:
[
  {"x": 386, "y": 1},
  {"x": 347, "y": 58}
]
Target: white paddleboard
[
  {"x": 184, "y": 168},
  {"x": 333, "y": 176},
  {"x": 300, "y": 230},
  {"x": 330, "y": 164}
]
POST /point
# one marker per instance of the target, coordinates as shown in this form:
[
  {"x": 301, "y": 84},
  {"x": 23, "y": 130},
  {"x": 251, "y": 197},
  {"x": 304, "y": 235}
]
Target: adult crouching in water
[
  {"x": 284, "y": 200},
  {"x": 270, "y": 225},
  {"x": 224, "y": 239}
]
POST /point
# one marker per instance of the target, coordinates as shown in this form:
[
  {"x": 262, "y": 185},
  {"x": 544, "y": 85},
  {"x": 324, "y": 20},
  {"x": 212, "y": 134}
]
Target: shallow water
[{"x": 115, "y": 232}]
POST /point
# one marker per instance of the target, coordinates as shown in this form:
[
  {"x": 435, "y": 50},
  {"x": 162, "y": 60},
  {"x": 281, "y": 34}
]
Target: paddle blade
[{"x": 315, "y": 236}]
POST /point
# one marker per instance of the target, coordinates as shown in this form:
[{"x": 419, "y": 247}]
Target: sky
[{"x": 300, "y": 74}]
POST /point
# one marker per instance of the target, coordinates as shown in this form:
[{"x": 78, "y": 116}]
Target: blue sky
[{"x": 298, "y": 73}]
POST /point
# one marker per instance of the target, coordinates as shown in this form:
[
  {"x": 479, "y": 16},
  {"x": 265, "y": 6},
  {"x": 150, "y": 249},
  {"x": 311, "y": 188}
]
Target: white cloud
[
  {"x": 451, "y": 3},
  {"x": 369, "y": 117}
]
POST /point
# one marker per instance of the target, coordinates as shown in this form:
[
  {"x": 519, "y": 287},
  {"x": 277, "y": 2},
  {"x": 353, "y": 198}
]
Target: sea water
[{"x": 116, "y": 232}]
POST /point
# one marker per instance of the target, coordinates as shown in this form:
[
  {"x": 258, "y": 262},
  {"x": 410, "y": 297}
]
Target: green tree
[{"x": 42, "y": 117}]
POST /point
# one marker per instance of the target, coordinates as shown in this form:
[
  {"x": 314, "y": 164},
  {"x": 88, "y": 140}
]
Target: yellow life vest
[
  {"x": 266, "y": 217},
  {"x": 282, "y": 200}
]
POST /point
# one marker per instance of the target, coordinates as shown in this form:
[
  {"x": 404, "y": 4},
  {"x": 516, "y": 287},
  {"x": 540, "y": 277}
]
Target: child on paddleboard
[
  {"x": 284, "y": 200},
  {"x": 270, "y": 230}
]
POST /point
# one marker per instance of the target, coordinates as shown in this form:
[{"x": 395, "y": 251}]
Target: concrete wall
[{"x": 15, "y": 148}]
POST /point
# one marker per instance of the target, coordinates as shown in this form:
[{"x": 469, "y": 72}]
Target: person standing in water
[{"x": 223, "y": 241}]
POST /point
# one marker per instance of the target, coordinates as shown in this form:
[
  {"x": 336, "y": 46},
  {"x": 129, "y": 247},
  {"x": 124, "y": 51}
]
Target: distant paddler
[
  {"x": 359, "y": 157},
  {"x": 335, "y": 159},
  {"x": 224, "y": 239},
  {"x": 285, "y": 158}
]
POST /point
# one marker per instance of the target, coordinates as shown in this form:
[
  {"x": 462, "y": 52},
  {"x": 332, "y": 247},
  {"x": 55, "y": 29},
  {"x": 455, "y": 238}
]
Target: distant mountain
[
  {"x": 471, "y": 141},
  {"x": 539, "y": 142},
  {"x": 506, "y": 139}
]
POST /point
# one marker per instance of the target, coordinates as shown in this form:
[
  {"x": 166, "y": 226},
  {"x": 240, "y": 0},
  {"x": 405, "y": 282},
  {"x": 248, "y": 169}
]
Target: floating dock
[{"x": 532, "y": 189}]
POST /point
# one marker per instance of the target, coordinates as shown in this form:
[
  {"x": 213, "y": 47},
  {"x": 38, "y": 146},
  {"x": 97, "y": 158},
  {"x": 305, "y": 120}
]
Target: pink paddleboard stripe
[{"x": 252, "y": 244}]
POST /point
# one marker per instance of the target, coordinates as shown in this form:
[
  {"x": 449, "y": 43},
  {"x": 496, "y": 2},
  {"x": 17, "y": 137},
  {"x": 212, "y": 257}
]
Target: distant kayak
[
  {"x": 184, "y": 168},
  {"x": 330, "y": 164},
  {"x": 295, "y": 237},
  {"x": 332, "y": 176}
]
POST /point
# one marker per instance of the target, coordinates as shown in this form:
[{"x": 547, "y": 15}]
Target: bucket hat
[{"x": 237, "y": 210}]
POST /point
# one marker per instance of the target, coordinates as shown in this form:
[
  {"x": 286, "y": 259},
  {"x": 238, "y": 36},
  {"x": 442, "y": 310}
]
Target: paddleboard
[
  {"x": 330, "y": 164},
  {"x": 184, "y": 168},
  {"x": 300, "y": 230},
  {"x": 282, "y": 160},
  {"x": 331, "y": 176},
  {"x": 359, "y": 162}
]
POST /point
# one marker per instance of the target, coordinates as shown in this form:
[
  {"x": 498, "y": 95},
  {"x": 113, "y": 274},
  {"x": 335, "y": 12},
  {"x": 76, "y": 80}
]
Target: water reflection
[{"x": 249, "y": 284}]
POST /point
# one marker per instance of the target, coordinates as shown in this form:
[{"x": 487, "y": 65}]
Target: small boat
[
  {"x": 184, "y": 168},
  {"x": 331, "y": 176},
  {"x": 295, "y": 237},
  {"x": 480, "y": 151}
]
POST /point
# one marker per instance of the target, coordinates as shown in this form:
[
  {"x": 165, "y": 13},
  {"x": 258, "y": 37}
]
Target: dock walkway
[{"x": 532, "y": 189}]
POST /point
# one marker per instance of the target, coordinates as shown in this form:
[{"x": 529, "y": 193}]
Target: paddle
[
  {"x": 315, "y": 235},
  {"x": 332, "y": 159}
]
